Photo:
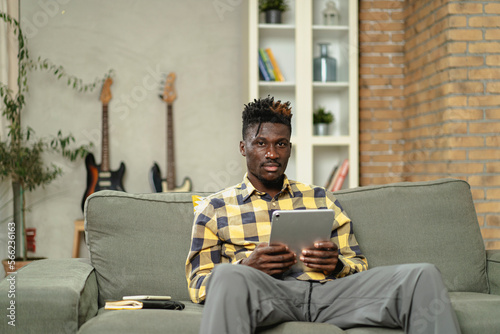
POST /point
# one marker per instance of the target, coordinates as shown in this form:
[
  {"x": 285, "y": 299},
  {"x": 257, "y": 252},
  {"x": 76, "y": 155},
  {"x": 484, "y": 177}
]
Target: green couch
[{"x": 139, "y": 243}]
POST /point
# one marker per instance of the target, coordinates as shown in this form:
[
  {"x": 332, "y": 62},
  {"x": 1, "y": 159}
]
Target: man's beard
[{"x": 273, "y": 184}]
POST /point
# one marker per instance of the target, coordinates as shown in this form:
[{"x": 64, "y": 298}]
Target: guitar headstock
[
  {"x": 106, "y": 91},
  {"x": 169, "y": 94}
]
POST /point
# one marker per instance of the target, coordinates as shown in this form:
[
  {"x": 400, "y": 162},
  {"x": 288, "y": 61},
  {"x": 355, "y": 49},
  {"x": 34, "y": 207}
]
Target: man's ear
[{"x": 242, "y": 148}]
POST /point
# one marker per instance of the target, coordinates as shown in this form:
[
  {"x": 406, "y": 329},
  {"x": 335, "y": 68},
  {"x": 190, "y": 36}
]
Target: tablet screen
[{"x": 299, "y": 229}]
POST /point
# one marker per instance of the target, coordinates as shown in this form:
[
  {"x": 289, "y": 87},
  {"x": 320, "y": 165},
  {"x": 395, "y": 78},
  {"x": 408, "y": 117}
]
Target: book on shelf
[
  {"x": 263, "y": 70},
  {"x": 267, "y": 63},
  {"x": 333, "y": 179},
  {"x": 329, "y": 184},
  {"x": 340, "y": 176},
  {"x": 277, "y": 72}
]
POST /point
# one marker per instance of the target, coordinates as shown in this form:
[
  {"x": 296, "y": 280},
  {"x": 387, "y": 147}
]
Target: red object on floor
[{"x": 30, "y": 239}]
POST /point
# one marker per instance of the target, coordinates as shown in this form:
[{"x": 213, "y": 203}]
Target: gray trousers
[{"x": 411, "y": 296}]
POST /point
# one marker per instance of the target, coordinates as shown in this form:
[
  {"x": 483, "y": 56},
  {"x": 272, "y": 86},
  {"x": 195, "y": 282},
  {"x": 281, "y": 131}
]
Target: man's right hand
[{"x": 272, "y": 259}]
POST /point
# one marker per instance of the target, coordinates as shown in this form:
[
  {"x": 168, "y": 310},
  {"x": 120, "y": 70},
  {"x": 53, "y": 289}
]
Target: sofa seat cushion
[
  {"x": 145, "y": 321},
  {"x": 476, "y": 312},
  {"x": 300, "y": 327},
  {"x": 186, "y": 321}
]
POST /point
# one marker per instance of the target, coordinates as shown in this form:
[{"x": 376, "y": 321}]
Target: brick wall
[
  {"x": 430, "y": 97},
  {"x": 381, "y": 91}
]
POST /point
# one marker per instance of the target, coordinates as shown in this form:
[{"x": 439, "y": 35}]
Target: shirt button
[{"x": 274, "y": 203}]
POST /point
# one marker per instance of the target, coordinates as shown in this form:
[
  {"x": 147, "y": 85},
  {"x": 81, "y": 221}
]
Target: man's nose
[{"x": 272, "y": 153}]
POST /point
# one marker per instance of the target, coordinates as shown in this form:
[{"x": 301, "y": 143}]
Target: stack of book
[
  {"x": 337, "y": 176},
  {"x": 30, "y": 239},
  {"x": 268, "y": 67}
]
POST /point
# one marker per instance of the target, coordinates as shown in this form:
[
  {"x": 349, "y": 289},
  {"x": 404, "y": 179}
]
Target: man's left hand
[{"x": 323, "y": 257}]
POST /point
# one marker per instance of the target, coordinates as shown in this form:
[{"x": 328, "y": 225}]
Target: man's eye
[
  {"x": 260, "y": 143},
  {"x": 281, "y": 144}
]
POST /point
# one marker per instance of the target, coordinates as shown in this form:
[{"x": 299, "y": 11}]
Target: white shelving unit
[{"x": 294, "y": 43}]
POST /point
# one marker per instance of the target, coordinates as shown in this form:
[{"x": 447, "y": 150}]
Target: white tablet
[{"x": 299, "y": 229}]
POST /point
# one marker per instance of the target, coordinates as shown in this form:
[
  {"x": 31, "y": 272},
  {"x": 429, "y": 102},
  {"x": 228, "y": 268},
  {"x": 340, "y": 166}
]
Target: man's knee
[
  {"x": 427, "y": 270},
  {"x": 228, "y": 276},
  {"x": 418, "y": 268},
  {"x": 225, "y": 271}
]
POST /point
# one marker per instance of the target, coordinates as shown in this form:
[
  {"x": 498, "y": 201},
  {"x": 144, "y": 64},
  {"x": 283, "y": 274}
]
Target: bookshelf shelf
[
  {"x": 268, "y": 26},
  {"x": 330, "y": 140},
  {"x": 294, "y": 45},
  {"x": 277, "y": 84},
  {"x": 330, "y": 28},
  {"x": 324, "y": 140},
  {"x": 330, "y": 86}
]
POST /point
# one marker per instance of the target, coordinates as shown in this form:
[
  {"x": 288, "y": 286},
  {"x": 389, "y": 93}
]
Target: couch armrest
[
  {"x": 48, "y": 296},
  {"x": 493, "y": 262}
]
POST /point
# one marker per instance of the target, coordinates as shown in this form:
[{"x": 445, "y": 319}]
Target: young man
[{"x": 243, "y": 280}]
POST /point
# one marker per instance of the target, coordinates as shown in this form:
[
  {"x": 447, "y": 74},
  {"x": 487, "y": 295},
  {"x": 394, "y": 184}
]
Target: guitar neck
[
  {"x": 170, "y": 148},
  {"x": 105, "y": 140}
]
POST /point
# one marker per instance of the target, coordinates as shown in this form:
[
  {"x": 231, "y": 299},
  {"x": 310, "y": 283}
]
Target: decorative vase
[
  {"x": 324, "y": 66},
  {"x": 321, "y": 129},
  {"x": 273, "y": 16}
]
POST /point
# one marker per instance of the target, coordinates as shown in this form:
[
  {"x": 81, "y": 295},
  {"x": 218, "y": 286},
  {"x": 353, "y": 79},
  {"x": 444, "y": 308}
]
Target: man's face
[{"x": 267, "y": 153}]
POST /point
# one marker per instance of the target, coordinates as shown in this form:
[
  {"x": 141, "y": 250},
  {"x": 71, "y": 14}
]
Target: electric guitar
[
  {"x": 100, "y": 177},
  {"x": 157, "y": 183}
]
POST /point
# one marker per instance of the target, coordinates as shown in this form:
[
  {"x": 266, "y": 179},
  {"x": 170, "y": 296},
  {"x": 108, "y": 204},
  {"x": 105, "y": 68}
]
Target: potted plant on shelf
[
  {"x": 21, "y": 160},
  {"x": 321, "y": 121},
  {"x": 273, "y": 9}
]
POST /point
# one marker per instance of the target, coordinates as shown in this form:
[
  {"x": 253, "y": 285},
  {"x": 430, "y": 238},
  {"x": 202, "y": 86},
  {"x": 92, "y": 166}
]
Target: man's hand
[
  {"x": 322, "y": 257},
  {"x": 272, "y": 259}
]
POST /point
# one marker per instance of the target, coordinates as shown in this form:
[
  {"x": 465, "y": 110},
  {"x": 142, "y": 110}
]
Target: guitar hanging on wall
[
  {"x": 157, "y": 183},
  {"x": 100, "y": 177}
]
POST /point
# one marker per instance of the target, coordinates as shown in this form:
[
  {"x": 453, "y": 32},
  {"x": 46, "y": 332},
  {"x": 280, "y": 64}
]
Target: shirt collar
[{"x": 247, "y": 188}]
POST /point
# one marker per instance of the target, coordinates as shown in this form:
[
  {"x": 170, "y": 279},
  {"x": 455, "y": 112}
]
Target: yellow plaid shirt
[{"x": 228, "y": 225}]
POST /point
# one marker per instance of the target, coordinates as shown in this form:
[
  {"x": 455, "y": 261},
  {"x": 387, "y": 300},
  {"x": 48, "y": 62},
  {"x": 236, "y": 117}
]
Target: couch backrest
[
  {"x": 433, "y": 221},
  {"x": 139, "y": 243}
]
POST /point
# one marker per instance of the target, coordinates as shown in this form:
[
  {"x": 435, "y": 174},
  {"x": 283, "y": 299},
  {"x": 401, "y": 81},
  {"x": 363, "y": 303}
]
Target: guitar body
[
  {"x": 101, "y": 177},
  {"x": 101, "y": 180},
  {"x": 160, "y": 185}
]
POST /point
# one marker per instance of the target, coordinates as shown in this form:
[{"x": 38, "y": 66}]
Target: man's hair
[{"x": 266, "y": 110}]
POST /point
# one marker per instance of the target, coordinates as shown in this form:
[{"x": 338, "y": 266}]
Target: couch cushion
[
  {"x": 300, "y": 327},
  {"x": 145, "y": 321},
  {"x": 185, "y": 322},
  {"x": 433, "y": 221},
  {"x": 476, "y": 312},
  {"x": 138, "y": 243}
]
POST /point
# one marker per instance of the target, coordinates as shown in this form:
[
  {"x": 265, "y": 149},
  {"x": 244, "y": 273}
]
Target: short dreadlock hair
[{"x": 266, "y": 110}]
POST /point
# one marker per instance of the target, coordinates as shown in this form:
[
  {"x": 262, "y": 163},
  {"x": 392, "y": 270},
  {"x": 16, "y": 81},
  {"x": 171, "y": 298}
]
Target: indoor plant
[
  {"x": 21, "y": 160},
  {"x": 273, "y": 9},
  {"x": 321, "y": 121}
]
